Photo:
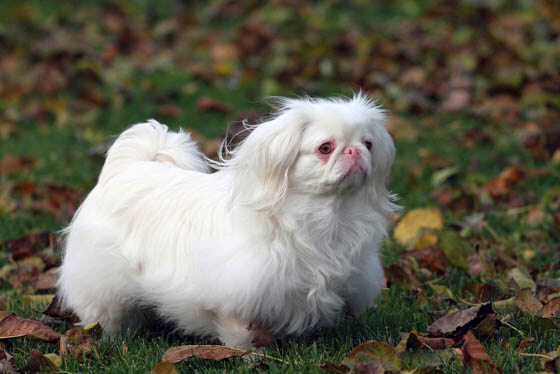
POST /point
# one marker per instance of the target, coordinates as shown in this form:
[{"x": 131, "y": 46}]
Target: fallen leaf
[
  {"x": 54, "y": 358},
  {"x": 527, "y": 302},
  {"x": 11, "y": 163},
  {"x": 78, "y": 342},
  {"x": 440, "y": 176},
  {"x": 207, "y": 104},
  {"x": 504, "y": 306},
  {"x": 521, "y": 279},
  {"x": 476, "y": 357},
  {"x": 487, "y": 327},
  {"x": 12, "y": 326},
  {"x": 6, "y": 363},
  {"x": 209, "y": 352},
  {"x": 414, "y": 340},
  {"x": 29, "y": 244},
  {"x": 457, "y": 324},
  {"x": 431, "y": 258},
  {"x": 45, "y": 281},
  {"x": 535, "y": 216},
  {"x": 94, "y": 330},
  {"x": 60, "y": 200},
  {"x": 170, "y": 110},
  {"x": 502, "y": 184},
  {"x": 456, "y": 250},
  {"x": 55, "y": 310},
  {"x": 164, "y": 367},
  {"x": 401, "y": 274},
  {"x": 525, "y": 343},
  {"x": 38, "y": 363},
  {"x": 379, "y": 354},
  {"x": 410, "y": 226},
  {"x": 552, "y": 308}
]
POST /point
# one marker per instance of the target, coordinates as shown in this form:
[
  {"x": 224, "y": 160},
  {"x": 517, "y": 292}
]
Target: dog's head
[{"x": 316, "y": 147}]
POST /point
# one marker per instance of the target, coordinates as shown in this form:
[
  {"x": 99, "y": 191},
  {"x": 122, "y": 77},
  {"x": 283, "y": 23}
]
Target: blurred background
[
  {"x": 472, "y": 90},
  {"x": 471, "y": 86}
]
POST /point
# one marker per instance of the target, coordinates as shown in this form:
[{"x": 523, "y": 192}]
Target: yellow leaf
[
  {"x": 426, "y": 240},
  {"x": 54, "y": 358},
  {"x": 410, "y": 227},
  {"x": 93, "y": 329}
]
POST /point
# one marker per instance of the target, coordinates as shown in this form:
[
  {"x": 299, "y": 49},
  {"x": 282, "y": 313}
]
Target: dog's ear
[
  {"x": 262, "y": 162},
  {"x": 379, "y": 196}
]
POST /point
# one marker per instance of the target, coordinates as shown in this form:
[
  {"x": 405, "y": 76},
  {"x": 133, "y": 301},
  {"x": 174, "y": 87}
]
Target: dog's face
[
  {"x": 335, "y": 155},
  {"x": 316, "y": 147}
]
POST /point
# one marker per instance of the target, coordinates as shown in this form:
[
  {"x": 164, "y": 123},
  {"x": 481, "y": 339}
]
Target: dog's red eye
[
  {"x": 369, "y": 145},
  {"x": 326, "y": 148}
]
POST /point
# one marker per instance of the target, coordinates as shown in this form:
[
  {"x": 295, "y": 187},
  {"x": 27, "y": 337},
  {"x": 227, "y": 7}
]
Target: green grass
[{"x": 131, "y": 90}]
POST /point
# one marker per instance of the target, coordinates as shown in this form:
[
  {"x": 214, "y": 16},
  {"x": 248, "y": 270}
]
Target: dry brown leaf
[
  {"x": 476, "y": 356},
  {"x": 502, "y": 184},
  {"x": 38, "y": 363},
  {"x": 11, "y": 163},
  {"x": 29, "y": 244},
  {"x": 431, "y": 258},
  {"x": 527, "y": 302},
  {"x": 416, "y": 340},
  {"x": 6, "y": 363},
  {"x": 45, "y": 281},
  {"x": 208, "y": 352},
  {"x": 77, "y": 341},
  {"x": 55, "y": 310},
  {"x": 12, "y": 326},
  {"x": 59, "y": 200},
  {"x": 207, "y": 104},
  {"x": 400, "y": 274},
  {"x": 487, "y": 327},
  {"x": 169, "y": 110},
  {"x": 552, "y": 308},
  {"x": 456, "y": 324},
  {"x": 535, "y": 216}
]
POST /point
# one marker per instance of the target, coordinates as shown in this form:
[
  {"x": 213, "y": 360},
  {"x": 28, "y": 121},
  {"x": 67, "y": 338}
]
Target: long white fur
[{"x": 274, "y": 237}]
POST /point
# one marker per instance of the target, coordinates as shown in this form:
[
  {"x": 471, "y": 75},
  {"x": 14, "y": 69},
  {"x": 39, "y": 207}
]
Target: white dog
[{"x": 284, "y": 235}]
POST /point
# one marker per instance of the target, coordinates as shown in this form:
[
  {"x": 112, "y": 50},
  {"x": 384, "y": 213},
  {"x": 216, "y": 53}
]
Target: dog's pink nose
[{"x": 353, "y": 152}]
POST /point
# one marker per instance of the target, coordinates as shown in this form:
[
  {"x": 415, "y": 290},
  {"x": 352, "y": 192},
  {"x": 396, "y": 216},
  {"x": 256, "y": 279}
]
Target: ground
[{"x": 471, "y": 90}]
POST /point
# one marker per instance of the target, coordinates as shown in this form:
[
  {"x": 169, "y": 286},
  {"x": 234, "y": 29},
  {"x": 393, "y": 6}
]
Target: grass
[{"x": 63, "y": 153}]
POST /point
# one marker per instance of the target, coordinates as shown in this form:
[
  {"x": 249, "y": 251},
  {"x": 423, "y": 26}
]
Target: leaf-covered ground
[{"x": 473, "y": 260}]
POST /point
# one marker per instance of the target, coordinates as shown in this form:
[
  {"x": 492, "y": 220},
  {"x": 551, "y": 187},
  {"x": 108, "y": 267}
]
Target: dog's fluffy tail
[{"x": 152, "y": 141}]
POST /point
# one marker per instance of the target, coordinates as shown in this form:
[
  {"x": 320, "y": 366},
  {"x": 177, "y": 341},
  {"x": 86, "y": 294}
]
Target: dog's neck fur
[{"x": 329, "y": 242}]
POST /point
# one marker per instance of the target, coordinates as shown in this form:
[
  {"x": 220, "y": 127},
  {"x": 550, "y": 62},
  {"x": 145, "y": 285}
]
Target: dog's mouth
[{"x": 348, "y": 180}]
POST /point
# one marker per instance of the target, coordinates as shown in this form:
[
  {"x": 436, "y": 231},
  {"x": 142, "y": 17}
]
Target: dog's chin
[{"x": 346, "y": 183}]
